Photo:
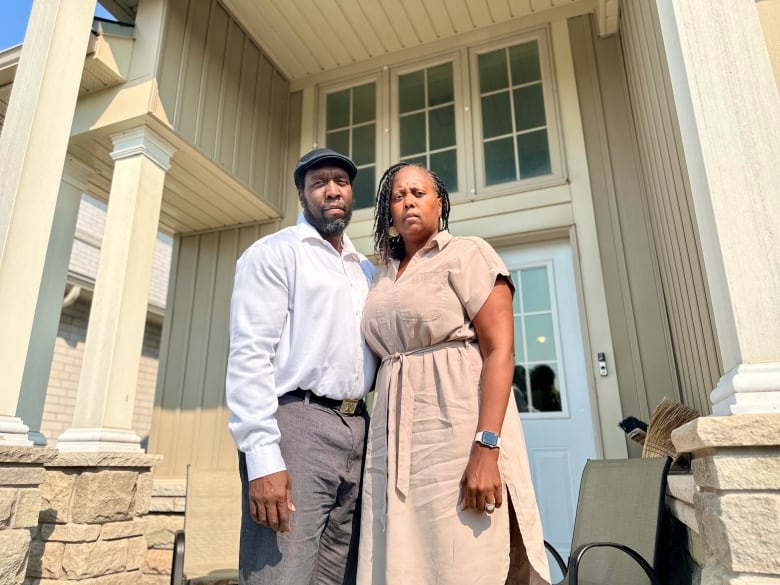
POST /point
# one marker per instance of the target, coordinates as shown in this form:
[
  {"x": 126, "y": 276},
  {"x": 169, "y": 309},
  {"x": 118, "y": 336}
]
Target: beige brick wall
[{"x": 66, "y": 368}]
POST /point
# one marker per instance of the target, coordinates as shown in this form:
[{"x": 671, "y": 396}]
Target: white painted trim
[
  {"x": 748, "y": 389},
  {"x": 98, "y": 439},
  {"x": 143, "y": 141},
  {"x": 14, "y": 432}
]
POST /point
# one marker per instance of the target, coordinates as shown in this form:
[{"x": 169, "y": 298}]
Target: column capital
[{"x": 143, "y": 141}]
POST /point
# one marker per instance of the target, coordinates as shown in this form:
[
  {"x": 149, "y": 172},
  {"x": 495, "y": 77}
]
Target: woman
[{"x": 438, "y": 505}]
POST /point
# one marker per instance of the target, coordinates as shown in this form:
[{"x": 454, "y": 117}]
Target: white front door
[{"x": 551, "y": 382}]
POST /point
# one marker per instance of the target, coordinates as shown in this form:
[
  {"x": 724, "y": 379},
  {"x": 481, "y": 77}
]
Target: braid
[{"x": 393, "y": 248}]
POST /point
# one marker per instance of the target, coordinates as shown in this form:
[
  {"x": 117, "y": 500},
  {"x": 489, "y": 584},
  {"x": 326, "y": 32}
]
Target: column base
[
  {"x": 14, "y": 432},
  {"x": 38, "y": 438},
  {"x": 91, "y": 440},
  {"x": 748, "y": 389}
]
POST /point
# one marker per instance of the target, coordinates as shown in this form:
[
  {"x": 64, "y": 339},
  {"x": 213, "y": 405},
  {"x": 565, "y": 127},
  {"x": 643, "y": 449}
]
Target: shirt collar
[{"x": 306, "y": 231}]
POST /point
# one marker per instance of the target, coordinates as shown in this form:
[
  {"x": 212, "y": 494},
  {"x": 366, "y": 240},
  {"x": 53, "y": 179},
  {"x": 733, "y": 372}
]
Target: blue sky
[{"x": 13, "y": 20}]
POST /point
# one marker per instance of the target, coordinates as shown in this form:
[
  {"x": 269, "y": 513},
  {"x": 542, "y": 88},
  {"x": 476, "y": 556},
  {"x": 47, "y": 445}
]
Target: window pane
[
  {"x": 545, "y": 395},
  {"x": 520, "y": 388},
  {"x": 445, "y": 165},
  {"x": 540, "y": 338},
  {"x": 411, "y": 91},
  {"x": 364, "y": 103},
  {"x": 363, "y": 144},
  {"x": 364, "y": 187},
  {"x": 529, "y": 107},
  {"x": 524, "y": 62},
  {"x": 496, "y": 115},
  {"x": 492, "y": 71},
  {"x": 440, "y": 89},
  {"x": 442, "y": 127},
  {"x": 535, "y": 289},
  {"x": 338, "y": 141},
  {"x": 421, "y": 160},
  {"x": 338, "y": 109},
  {"x": 413, "y": 134},
  {"x": 533, "y": 153},
  {"x": 519, "y": 341},
  {"x": 499, "y": 161}
]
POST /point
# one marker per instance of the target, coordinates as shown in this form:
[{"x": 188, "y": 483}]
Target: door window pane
[
  {"x": 338, "y": 109},
  {"x": 364, "y": 144},
  {"x": 535, "y": 383},
  {"x": 411, "y": 92},
  {"x": 364, "y": 104},
  {"x": 364, "y": 187},
  {"x": 440, "y": 90},
  {"x": 338, "y": 141},
  {"x": 442, "y": 127},
  {"x": 512, "y": 101}
]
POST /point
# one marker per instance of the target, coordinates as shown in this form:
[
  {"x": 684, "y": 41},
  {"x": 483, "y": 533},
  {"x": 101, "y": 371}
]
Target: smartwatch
[{"x": 488, "y": 439}]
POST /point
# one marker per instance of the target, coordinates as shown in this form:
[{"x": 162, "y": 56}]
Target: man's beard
[{"x": 324, "y": 225}]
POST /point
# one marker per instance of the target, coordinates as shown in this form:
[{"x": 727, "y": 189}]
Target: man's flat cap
[{"x": 319, "y": 157}]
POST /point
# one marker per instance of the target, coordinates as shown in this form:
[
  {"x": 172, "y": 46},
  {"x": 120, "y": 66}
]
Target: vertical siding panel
[
  {"x": 197, "y": 348},
  {"x": 229, "y": 96},
  {"x": 169, "y": 69},
  {"x": 223, "y": 454},
  {"x": 262, "y": 126},
  {"x": 278, "y": 154},
  {"x": 186, "y": 119},
  {"x": 246, "y": 111},
  {"x": 668, "y": 196},
  {"x": 170, "y": 400},
  {"x": 214, "y": 61}
]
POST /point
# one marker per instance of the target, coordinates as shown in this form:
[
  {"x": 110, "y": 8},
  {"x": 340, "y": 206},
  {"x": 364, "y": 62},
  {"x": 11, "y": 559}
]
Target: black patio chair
[{"x": 617, "y": 527}]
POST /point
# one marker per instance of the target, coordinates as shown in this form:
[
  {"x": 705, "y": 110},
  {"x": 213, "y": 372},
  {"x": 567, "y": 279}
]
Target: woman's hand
[{"x": 481, "y": 482}]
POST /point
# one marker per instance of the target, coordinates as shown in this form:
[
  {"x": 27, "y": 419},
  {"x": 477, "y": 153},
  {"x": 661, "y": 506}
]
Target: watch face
[{"x": 489, "y": 438}]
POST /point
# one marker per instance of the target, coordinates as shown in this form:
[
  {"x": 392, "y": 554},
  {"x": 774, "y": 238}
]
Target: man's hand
[{"x": 270, "y": 501}]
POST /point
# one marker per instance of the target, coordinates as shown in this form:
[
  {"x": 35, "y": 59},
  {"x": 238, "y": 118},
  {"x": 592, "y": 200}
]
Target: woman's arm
[{"x": 494, "y": 325}]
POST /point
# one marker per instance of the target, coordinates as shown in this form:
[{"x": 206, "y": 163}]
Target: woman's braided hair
[{"x": 393, "y": 248}]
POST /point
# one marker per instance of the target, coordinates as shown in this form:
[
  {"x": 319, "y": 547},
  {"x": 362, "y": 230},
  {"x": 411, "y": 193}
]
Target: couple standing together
[{"x": 443, "y": 494}]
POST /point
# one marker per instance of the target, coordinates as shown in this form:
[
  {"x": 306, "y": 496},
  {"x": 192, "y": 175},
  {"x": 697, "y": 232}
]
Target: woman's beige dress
[{"x": 422, "y": 429}]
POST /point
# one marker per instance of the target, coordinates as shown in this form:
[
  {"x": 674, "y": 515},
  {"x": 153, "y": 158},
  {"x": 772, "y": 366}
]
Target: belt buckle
[{"x": 349, "y": 406}]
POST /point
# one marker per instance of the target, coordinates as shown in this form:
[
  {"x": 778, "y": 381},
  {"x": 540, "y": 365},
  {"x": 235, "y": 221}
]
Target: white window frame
[
  {"x": 557, "y": 164},
  {"x": 380, "y": 79},
  {"x": 461, "y": 145}
]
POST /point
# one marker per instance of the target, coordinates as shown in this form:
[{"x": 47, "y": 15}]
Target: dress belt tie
[{"x": 405, "y": 418}]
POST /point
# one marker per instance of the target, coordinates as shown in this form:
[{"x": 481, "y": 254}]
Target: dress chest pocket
[{"x": 423, "y": 296}]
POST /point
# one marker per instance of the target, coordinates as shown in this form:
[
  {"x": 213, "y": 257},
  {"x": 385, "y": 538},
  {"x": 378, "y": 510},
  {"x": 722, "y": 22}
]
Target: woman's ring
[{"x": 489, "y": 508}]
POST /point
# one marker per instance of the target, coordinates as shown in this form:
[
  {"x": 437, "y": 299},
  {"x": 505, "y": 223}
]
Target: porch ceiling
[{"x": 309, "y": 37}]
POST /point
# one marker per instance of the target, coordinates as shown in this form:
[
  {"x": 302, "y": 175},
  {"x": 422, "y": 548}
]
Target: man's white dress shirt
[{"x": 294, "y": 323}]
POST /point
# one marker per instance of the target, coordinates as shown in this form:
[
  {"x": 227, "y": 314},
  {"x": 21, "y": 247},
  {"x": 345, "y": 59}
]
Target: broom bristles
[{"x": 666, "y": 417}]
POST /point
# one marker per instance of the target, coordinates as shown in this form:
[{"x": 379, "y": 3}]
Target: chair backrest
[
  {"x": 212, "y": 524},
  {"x": 621, "y": 501}
]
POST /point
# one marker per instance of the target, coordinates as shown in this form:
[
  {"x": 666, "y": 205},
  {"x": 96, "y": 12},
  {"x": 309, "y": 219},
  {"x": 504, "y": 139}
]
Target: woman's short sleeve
[{"x": 478, "y": 268}]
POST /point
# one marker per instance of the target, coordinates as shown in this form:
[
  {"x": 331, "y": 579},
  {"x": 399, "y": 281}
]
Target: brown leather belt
[{"x": 346, "y": 407}]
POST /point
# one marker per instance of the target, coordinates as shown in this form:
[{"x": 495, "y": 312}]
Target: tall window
[
  {"x": 426, "y": 109},
  {"x": 515, "y": 139},
  {"x": 536, "y": 382},
  {"x": 350, "y": 129}
]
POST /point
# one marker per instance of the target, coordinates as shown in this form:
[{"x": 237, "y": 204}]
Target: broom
[{"x": 666, "y": 417}]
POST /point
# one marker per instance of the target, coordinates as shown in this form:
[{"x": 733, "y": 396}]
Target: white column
[
  {"x": 55, "y": 273},
  {"x": 112, "y": 352},
  {"x": 33, "y": 144},
  {"x": 728, "y": 107}
]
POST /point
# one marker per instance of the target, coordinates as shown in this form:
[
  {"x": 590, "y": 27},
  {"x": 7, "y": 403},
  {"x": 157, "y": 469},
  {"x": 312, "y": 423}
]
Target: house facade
[{"x": 619, "y": 154}]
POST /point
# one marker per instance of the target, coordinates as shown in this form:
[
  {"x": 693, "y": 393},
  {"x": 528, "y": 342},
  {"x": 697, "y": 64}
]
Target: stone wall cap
[
  {"x": 17, "y": 454},
  {"x": 169, "y": 486},
  {"x": 104, "y": 459},
  {"x": 737, "y": 430}
]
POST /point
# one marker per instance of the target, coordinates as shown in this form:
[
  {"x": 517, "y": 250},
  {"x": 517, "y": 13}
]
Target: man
[{"x": 297, "y": 372}]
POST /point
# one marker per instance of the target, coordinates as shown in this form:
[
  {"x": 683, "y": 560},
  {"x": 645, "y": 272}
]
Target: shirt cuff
[{"x": 264, "y": 460}]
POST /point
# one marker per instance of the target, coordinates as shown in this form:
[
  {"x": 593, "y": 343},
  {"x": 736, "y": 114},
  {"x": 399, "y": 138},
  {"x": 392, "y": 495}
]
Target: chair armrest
[
  {"x": 557, "y": 556},
  {"x": 579, "y": 552},
  {"x": 177, "y": 566}
]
